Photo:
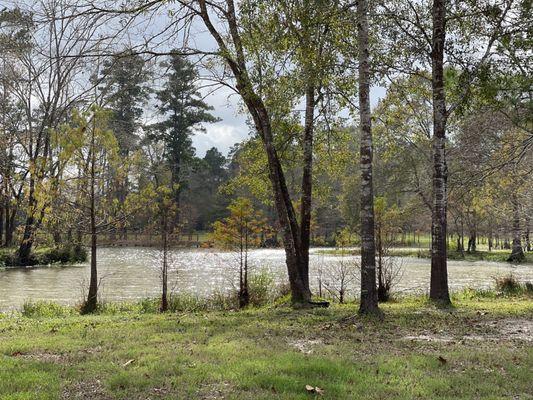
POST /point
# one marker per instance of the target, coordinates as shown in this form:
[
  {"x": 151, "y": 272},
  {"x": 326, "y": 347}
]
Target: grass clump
[
  {"x": 509, "y": 285},
  {"x": 45, "y": 309}
]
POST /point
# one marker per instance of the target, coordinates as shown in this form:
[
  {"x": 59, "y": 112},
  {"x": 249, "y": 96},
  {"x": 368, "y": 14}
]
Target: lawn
[
  {"x": 495, "y": 255},
  {"x": 480, "y": 349}
]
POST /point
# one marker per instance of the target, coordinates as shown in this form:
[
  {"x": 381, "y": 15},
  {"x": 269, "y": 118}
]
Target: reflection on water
[{"x": 132, "y": 273}]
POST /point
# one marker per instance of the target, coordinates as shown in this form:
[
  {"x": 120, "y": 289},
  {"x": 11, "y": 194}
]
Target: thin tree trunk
[
  {"x": 164, "y": 274},
  {"x": 517, "y": 252},
  {"x": 92, "y": 298},
  {"x": 369, "y": 298},
  {"x": 527, "y": 233},
  {"x": 439, "y": 269},
  {"x": 307, "y": 179},
  {"x": 26, "y": 243},
  {"x": 2, "y": 212}
]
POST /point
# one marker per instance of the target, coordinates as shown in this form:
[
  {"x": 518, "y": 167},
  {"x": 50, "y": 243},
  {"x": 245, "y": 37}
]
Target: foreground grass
[{"x": 480, "y": 349}]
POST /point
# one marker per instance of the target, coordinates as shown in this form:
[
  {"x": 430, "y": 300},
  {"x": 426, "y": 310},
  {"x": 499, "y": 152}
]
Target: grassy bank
[
  {"x": 495, "y": 255},
  {"x": 479, "y": 349},
  {"x": 45, "y": 256}
]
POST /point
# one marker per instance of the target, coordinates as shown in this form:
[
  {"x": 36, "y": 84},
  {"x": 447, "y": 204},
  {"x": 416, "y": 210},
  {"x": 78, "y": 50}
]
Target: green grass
[
  {"x": 495, "y": 255},
  {"x": 272, "y": 353}
]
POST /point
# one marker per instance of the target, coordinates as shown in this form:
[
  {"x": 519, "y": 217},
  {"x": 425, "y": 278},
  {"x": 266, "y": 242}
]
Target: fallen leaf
[
  {"x": 314, "y": 389},
  {"x": 128, "y": 362}
]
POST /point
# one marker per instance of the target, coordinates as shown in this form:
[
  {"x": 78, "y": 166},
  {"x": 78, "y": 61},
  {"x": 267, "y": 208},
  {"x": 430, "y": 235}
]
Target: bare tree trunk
[
  {"x": 292, "y": 239},
  {"x": 307, "y": 179},
  {"x": 164, "y": 272},
  {"x": 24, "y": 251},
  {"x": 369, "y": 298},
  {"x": 439, "y": 269},
  {"x": 92, "y": 297},
  {"x": 517, "y": 252},
  {"x": 526, "y": 233},
  {"x": 2, "y": 212}
]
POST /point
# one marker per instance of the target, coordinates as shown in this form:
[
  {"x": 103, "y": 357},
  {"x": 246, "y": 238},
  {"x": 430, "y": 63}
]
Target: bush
[
  {"x": 261, "y": 287},
  {"x": 507, "y": 284},
  {"x": 45, "y": 309},
  {"x": 46, "y": 256}
]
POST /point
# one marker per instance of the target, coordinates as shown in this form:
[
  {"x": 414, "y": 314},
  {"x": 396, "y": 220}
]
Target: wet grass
[{"x": 478, "y": 349}]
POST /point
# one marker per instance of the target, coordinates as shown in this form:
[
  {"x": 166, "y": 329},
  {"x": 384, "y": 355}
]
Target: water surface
[{"x": 133, "y": 273}]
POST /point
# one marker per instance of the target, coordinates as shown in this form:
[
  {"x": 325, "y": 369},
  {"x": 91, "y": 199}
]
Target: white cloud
[{"x": 220, "y": 135}]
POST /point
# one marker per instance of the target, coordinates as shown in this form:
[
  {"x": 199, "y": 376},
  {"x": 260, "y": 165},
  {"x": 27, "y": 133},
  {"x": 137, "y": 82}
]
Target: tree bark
[
  {"x": 369, "y": 298},
  {"x": 307, "y": 180},
  {"x": 2, "y": 212},
  {"x": 517, "y": 252},
  {"x": 527, "y": 233},
  {"x": 92, "y": 297},
  {"x": 24, "y": 251},
  {"x": 294, "y": 251},
  {"x": 439, "y": 269},
  {"x": 164, "y": 272}
]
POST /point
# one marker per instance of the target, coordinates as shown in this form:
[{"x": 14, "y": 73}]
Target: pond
[{"x": 133, "y": 273}]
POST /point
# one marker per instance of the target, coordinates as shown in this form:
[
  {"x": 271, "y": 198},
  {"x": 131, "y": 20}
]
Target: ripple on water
[{"x": 132, "y": 273}]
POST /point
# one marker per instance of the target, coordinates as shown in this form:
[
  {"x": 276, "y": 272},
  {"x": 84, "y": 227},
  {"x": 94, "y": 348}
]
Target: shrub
[
  {"x": 507, "y": 284},
  {"x": 261, "y": 287}
]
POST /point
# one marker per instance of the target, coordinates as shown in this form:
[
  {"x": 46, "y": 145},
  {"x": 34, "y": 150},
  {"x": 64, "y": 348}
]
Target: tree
[
  {"x": 43, "y": 84},
  {"x": 239, "y": 232},
  {"x": 179, "y": 101},
  {"x": 124, "y": 88},
  {"x": 425, "y": 30},
  {"x": 369, "y": 298},
  {"x": 90, "y": 148}
]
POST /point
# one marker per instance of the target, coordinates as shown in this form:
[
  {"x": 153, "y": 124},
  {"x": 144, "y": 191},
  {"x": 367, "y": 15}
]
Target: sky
[{"x": 232, "y": 128}]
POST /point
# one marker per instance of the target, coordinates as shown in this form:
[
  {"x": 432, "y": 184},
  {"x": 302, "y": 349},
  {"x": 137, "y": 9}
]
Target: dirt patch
[
  {"x": 513, "y": 329},
  {"x": 42, "y": 357},
  {"x": 215, "y": 391},
  {"x": 86, "y": 390},
  {"x": 305, "y": 346},
  {"x": 520, "y": 329},
  {"x": 426, "y": 337}
]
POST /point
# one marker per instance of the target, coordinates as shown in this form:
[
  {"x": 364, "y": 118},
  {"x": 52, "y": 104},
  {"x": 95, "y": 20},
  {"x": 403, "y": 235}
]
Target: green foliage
[
  {"x": 70, "y": 254},
  {"x": 262, "y": 287},
  {"x": 45, "y": 309},
  {"x": 241, "y": 229}
]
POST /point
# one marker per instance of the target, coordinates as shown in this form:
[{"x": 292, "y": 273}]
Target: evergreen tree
[{"x": 184, "y": 111}]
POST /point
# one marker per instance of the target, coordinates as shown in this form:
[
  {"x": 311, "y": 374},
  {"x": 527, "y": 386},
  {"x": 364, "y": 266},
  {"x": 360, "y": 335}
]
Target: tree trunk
[
  {"x": 294, "y": 251},
  {"x": 24, "y": 251},
  {"x": 439, "y": 269},
  {"x": 369, "y": 298},
  {"x": 517, "y": 252},
  {"x": 164, "y": 272},
  {"x": 527, "y": 233},
  {"x": 10, "y": 225},
  {"x": 307, "y": 179},
  {"x": 92, "y": 297},
  {"x": 2, "y": 212},
  {"x": 472, "y": 242}
]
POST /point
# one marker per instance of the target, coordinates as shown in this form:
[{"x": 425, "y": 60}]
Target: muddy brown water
[{"x": 133, "y": 273}]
